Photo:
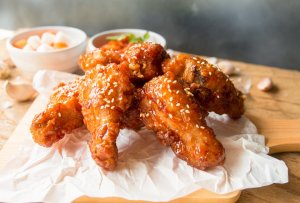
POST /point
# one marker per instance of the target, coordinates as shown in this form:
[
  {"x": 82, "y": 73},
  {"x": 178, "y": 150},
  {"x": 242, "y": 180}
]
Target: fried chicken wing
[
  {"x": 105, "y": 94},
  {"x": 131, "y": 117},
  {"x": 179, "y": 122},
  {"x": 103, "y": 57},
  {"x": 144, "y": 60},
  {"x": 62, "y": 115},
  {"x": 212, "y": 88}
]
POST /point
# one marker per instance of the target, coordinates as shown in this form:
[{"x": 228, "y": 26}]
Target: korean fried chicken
[
  {"x": 144, "y": 60},
  {"x": 211, "y": 87},
  {"x": 105, "y": 94},
  {"x": 99, "y": 57},
  {"x": 61, "y": 116},
  {"x": 179, "y": 122},
  {"x": 128, "y": 85}
]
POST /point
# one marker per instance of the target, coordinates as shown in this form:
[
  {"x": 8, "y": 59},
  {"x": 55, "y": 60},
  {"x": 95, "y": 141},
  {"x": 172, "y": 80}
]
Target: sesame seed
[
  {"x": 209, "y": 73},
  {"x": 188, "y": 106},
  {"x": 177, "y": 104},
  {"x": 218, "y": 96},
  {"x": 202, "y": 127},
  {"x": 147, "y": 114},
  {"x": 171, "y": 99},
  {"x": 59, "y": 114},
  {"x": 170, "y": 115},
  {"x": 187, "y": 111},
  {"x": 175, "y": 81},
  {"x": 197, "y": 126},
  {"x": 181, "y": 110},
  {"x": 177, "y": 92},
  {"x": 110, "y": 91},
  {"x": 113, "y": 107}
]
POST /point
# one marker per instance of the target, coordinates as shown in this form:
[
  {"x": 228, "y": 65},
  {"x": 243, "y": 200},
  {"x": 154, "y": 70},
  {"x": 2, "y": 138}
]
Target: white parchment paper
[{"x": 146, "y": 169}]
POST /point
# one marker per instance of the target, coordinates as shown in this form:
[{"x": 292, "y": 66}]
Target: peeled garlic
[
  {"x": 44, "y": 48},
  {"x": 212, "y": 60},
  {"x": 60, "y": 37},
  {"x": 27, "y": 47},
  {"x": 265, "y": 84},
  {"x": 227, "y": 67},
  {"x": 34, "y": 41},
  {"x": 47, "y": 38},
  {"x": 20, "y": 90}
]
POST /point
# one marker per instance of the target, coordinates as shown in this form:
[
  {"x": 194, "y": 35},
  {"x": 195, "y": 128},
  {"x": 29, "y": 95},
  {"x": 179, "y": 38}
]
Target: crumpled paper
[{"x": 146, "y": 169}]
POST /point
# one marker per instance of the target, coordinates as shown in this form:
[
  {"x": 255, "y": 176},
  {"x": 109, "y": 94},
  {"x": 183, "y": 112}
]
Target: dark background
[{"x": 257, "y": 31}]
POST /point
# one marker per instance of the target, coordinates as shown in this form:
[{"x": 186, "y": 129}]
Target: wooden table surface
[{"x": 282, "y": 102}]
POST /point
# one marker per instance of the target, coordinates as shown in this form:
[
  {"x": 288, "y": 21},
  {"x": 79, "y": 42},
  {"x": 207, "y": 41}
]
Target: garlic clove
[
  {"x": 212, "y": 60},
  {"x": 47, "y": 38},
  {"x": 60, "y": 37},
  {"x": 20, "y": 90},
  {"x": 227, "y": 67},
  {"x": 265, "y": 84},
  {"x": 34, "y": 41}
]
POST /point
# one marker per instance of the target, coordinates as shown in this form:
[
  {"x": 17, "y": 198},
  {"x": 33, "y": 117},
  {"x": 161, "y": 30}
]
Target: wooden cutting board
[{"x": 276, "y": 114}]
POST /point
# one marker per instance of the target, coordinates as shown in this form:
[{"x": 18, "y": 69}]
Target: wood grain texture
[{"x": 282, "y": 102}]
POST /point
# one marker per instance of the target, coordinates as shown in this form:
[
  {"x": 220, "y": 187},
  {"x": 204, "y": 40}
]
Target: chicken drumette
[
  {"x": 211, "y": 87},
  {"x": 105, "y": 94},
  {"x": 62, "y": 115},
  {"x": 179, "y": 123},
  {"x": 144, "y": 60}
]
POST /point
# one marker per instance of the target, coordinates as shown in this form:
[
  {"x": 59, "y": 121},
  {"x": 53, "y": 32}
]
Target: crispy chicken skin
[
  {"x": 131, "y": 118},
  {"x": 144, "y": 60},
  {"x": 62, "y": 115},
  {"x": 179, "y": 123},
  {"x": 103, "y": 57},
  {"x": 108, "y": 53},
  {"x": 105, "y": 94},
  {"x": 211, "y": 87}
]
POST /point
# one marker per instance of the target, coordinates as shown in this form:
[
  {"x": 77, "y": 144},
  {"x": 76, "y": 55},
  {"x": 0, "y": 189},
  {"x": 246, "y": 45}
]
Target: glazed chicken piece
[
  {"x": 105, "y": 94},
  {"x": 131, "y": 118},
  {"x": 179, "y": 123},
  {"x": 61, "y": 116},
  {"x": 144, "y": 61},
  {"x": 211, "y": 87},
  {"x": 108, "y": 53},
  {"x": 99, "y": 57}
]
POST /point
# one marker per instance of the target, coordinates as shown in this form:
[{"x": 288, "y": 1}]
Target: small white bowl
[
  {"x": 100, "y": 39},
  {"x": 65, "y": 59}
]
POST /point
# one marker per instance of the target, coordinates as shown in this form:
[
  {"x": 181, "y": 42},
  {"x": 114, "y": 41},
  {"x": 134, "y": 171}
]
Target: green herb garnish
[{"x": 131, "y": 37}]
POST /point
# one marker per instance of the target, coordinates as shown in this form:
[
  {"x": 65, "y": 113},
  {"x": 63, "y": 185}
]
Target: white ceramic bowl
[
  {"x": 65, "y": 59},
  {"x": 100, "y": 39}
]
